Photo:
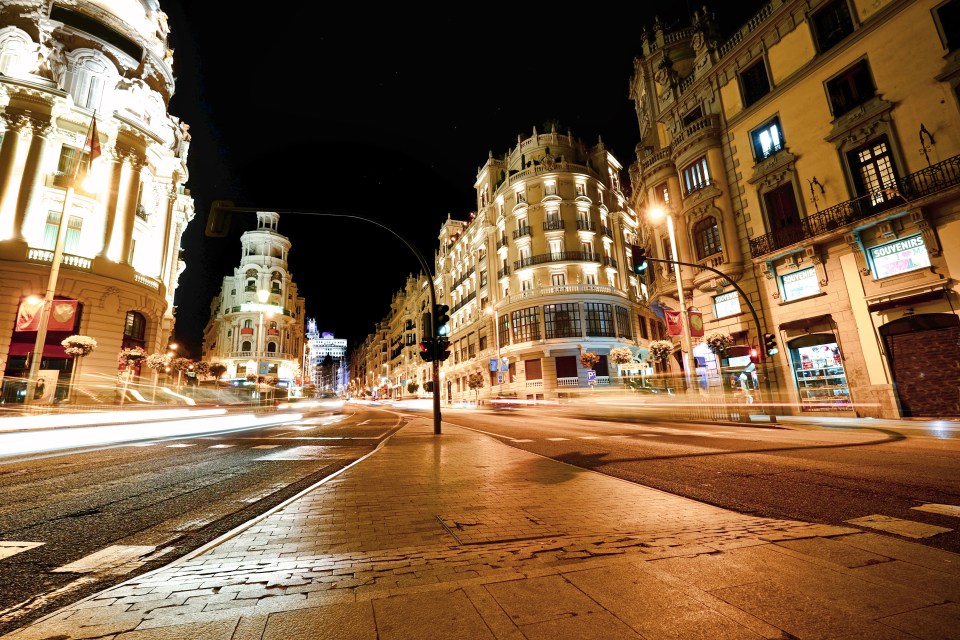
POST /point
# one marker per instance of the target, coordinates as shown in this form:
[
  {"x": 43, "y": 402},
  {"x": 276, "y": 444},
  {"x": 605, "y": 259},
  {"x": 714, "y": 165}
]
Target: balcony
[
  {"x": 525, "y": 230},
  {"x": 557, "y": 256},
  {"x": 586, "y": 225},
  {"x": 246, "y": 331},
  {"x": 503, "y": 273},
  {"x": 609, "y": 262},
  {"x": 462, "y": 278},
  {"x": 607, "y": 231},
  {"x": 921, "y": 184},
  {"x": 552, "y": 225},
  {"x": 502, "y": 242}
]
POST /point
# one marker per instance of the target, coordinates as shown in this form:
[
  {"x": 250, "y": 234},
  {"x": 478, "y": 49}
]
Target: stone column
[
  {"x": 112, "y": 171},
  {"x": 15, "y": 124},
  {"x": 132, "y": 164},
  {"x": 166, "y": 257},
  {"x": 31, "y": 184}
]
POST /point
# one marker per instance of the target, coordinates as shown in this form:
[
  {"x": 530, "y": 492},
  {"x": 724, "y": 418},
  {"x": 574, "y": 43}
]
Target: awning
[
  {"x": 906, "y": 301},
  {"x": 49, "y": 350},
  {"x": 806, "y": 322}
]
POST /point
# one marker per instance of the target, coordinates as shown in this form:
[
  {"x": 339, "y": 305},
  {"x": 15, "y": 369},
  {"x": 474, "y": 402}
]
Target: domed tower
[
  {"x": 84, "y": 92},
  {"x": 256, "y": 322}
]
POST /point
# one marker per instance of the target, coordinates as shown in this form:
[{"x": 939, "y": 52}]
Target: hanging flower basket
[
  {"x": 660, "y": 350},
  {"x": 78, "y": 346},
  {"x": 718, "y": 342},
  {"x": 588, "y": 359},
  {"x": 131, "y": 356}
]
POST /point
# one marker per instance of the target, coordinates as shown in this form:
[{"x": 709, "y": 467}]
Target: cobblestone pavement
[{"x": 460, "y": 536}]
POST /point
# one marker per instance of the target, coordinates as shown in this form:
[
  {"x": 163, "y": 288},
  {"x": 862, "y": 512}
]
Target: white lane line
[
  {"x": 942, "y": 509},
  {"x": 522, "y": 440},
  {"x": 265, "y": 446},
  {"x": 106, "y": 559},
  {"x": 557, "y": 439},
  {"x": 175, "y": 446},
  {"x": 589, "y": 437},
  {"x": 221, "y": 446},
  {"x": 297, "y": 453},
  {"x": 12, "y": 547},
  {"x": 907, "y": 528}
]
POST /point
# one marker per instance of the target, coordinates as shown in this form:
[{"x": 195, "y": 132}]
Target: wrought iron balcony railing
[{"x": 557, "y": 256}]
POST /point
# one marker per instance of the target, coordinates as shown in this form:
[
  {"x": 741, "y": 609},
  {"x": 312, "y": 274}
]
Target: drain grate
[{"x": 497, "y": 525}]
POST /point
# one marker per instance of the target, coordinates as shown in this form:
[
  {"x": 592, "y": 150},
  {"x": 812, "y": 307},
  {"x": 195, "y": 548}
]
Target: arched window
[
  {"x": 16, "y": 52},
  {"x": 134, "y": 329},
  {"x": 88, "y": 75},
  {"x": 248, "y": 324},
  {"x": 706, "y": 237},
  {"x": 271, "y": 347},
  {"x": 246, "y": 346}
]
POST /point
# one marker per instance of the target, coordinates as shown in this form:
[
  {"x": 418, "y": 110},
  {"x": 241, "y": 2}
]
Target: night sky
[{"x": 384, "y": 113}]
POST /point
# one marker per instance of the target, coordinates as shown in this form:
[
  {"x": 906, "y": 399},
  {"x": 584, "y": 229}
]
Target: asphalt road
[{"x": 74, "y": 523}]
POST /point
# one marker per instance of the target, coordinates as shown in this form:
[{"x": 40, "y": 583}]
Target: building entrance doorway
[{"x": 923, "y": 351}]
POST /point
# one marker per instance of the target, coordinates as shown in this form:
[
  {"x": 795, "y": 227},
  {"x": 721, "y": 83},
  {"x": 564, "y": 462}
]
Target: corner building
[
  {"x": 813, "y": 158},
  {"x": 62, "y": 64}
]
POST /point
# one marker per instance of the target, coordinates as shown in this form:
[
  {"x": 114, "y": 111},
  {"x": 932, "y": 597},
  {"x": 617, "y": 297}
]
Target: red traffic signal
[
  {"x": 426, "y": 349},
  {"x": 754, "y": 355},
  {"x": 443, "y": 349}
]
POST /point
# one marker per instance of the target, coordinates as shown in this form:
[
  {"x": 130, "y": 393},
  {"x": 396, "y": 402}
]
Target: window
[
  {"x": 526, "y": 325},
  {"x": 135, "y": 326},
  {"x": 800, "y": 284},
  {"x": 86, "y": 78},
  {"x": 533, "y": 369},
  {"x": 558, "y": 279},
  {"x": 948, "y": 21},
  {"x": 781, "y": 207},
  {"x": 642, "y": 323},
  {"x": 832, "y": 24},
  {"x": 521, "y": 196},
  {"x": 692, "y": 116},
  {"x": 706, "y": 237},
  {"x": 662, "y": 194},
  {"x": 851, "y": 88},
  {"x": 726, "y": 304},
  {"x": 503, "y": 331},
  {"x": 624, "y": 326},
  {"x": 562, "y": 320},
  {"x": 874, "y": 171},
  {"x": 767, "y": 139},
  {"x": 667, "y": 249},
  {"x": 246, "y": 346},
  {"x": 599, "y": 319},
  {"x": 69, "y": 157},
  {"x": 590, "y": 277},
  {"x": 248, "y": 324},
  {"x": 581, "y": 189},
  {"x": 483, "y": 278},
  {"x": 696, "y": 176},
  {"x": 51, "y": 229},
  {"x": 754, "y": 82},
  {"x": 550, "y": 188},
  {"x": 526, "y": 285}
]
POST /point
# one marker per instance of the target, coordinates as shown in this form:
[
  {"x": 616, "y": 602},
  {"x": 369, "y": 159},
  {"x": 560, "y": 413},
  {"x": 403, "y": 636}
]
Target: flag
[
  {"x": 674, "y": 322},
  {"x": 93, "y": 142},
  {"x": 696, "y": 324}
]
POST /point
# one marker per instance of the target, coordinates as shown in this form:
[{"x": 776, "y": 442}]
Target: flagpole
[{"x": 40, "y": 343}]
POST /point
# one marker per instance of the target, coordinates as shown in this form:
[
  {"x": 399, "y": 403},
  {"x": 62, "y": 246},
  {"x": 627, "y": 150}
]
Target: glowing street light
[{"x": 686, "y": 345}]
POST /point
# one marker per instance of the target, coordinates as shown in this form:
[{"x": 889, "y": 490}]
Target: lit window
[
  {"x": 71, "y": 241},
  {"x": 706, "y": 236},
  {"x": 767, "y": 139},
  {"x": 696, "y": 176}
]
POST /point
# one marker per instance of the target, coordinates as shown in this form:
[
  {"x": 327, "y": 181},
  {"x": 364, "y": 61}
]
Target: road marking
[
  {"x": 142, "y": 444},
  {"x": 222, "y": 446},
  {"x": 11, "y": 547},
  {"x": 108, "y": 558},
  {"x": 523, "y": 440},
  {"x": 174, "y": 446},
  {"x": 557, "y": 439},
  {"x": 305, "y": 452},
  {"x": 907, "y": 528},
  {"x": 589, "y": 437},
  {"x": 942, "y": 509},
  {"x": 266, "y": 446}
]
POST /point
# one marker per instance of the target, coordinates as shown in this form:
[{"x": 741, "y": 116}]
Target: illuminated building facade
[
  {"x": 62, "y": 64},
  {"x": 328, "y": 375}
]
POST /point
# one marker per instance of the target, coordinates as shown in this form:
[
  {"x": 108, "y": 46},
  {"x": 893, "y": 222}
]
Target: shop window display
[{"x": 821, "y": 379}]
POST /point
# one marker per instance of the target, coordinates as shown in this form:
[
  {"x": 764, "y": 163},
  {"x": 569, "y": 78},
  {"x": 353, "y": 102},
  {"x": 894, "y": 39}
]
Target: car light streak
[
  {"x": 23, "y": 442},
  {"x": 21, "y": 423}
]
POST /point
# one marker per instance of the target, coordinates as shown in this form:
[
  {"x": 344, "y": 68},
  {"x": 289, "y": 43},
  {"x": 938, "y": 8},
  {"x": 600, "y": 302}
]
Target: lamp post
[
  {"x": 262, "y": 295},
  {"x": 44, "y": 322},
  {"x": 496, "y": 337},
  {"x": 686, "y": 341}
]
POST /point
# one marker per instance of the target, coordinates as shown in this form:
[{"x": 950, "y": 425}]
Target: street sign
[
  {"x": 493, "y": 364},
  {"x": 591, "y": 375},
  {"x": 504, "y": 364},
  {"x": 499, "y": 378}
]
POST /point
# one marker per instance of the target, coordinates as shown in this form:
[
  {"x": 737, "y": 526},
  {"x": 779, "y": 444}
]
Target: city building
[
  {"x": 256, "y": 322},
  {"x": 812, "y": 159},
  {"x": 326, "y": 374},
  {"x": 537, "y": 277},
  {"x": 63, "y": 68}
]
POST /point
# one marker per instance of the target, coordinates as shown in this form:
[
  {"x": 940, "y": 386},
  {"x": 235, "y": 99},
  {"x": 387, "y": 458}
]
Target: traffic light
[
  {"x": 754, "y": 355},
  {"x": 770, "y": 344},
  {"x": 441, "y": 318},
  {"x": 639, "y": 255},
  {"x": 426, "y": 349},
  {"x": 443, "y": 349}
]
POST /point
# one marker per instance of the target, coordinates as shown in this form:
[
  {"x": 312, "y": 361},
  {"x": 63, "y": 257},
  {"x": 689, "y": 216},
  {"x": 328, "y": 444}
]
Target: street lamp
[
  {"x": 496, "y": 336},
  {"x": 262, "y": 295},
  {"x": 656, "y": 213},
  {"x": 89, "y": 185}
]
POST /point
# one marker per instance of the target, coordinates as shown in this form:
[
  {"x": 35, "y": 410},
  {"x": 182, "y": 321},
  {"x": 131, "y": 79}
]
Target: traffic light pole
[
  {"x": 753, "y": 311},
  {"x": 218, "y": 225}
]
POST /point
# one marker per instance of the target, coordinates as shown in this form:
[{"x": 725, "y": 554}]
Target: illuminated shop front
[{"x": 818, "y": 370}]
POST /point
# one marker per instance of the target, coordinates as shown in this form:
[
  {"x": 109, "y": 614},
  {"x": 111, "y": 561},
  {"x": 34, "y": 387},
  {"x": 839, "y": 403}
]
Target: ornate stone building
[
  {"x": 813, "y": 159},
  {"x": 62, "y": 65},
  {"x": 258, "y": 316}
]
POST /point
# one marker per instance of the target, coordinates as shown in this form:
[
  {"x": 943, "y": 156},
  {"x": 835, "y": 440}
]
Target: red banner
[
  {"x": 696, "y": 324},
  {"x": 63, "y": 315},
  {"x": 674, "y": 322}
]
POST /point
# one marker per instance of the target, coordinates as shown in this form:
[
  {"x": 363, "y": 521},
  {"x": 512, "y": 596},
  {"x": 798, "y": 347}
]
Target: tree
[
  {"x": 475, "y": 382},
  {"x": 180, "y": 365},
  {"x": 217, "y": 370},
  {"x": 202, "y": 368}
]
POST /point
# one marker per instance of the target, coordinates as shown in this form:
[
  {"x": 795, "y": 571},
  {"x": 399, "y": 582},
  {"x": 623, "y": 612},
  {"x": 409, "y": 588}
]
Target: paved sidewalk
[{"x": 462, "y": 537}]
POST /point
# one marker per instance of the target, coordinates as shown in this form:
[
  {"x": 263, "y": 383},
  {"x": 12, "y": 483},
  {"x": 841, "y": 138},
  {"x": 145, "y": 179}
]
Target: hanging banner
[
  {"x": 696, "y": 324},
  {"x": 63, "y": 315},
  {"x": 674, "y": 322}
]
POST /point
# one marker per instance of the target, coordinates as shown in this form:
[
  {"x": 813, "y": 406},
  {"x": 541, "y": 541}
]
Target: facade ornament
[
  {"x": 918, "y": 218},
  {"x": 856, "y": 247}
]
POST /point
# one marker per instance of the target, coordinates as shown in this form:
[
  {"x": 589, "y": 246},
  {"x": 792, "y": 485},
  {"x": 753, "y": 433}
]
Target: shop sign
[
  {"x": 726, "y": 304},
  {"x": 901, "y": 256},
  {"x": 800, "y": 284}
]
